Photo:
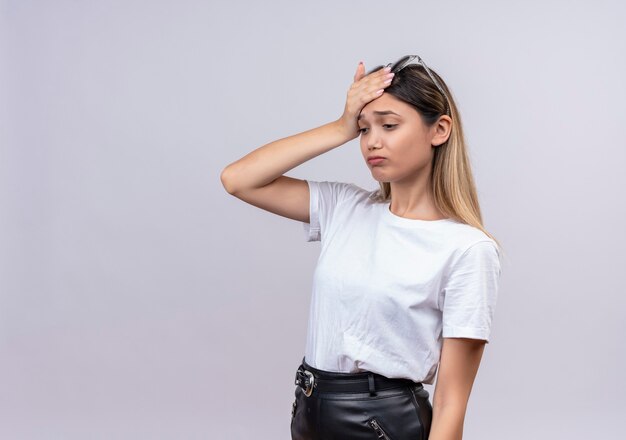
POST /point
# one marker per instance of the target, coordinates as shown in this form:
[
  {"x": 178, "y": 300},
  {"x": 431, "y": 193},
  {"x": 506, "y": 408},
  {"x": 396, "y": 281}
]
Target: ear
[{"x": 442, "y": 130}]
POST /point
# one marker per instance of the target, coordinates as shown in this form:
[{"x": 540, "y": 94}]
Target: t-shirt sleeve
[
  {"x": 324, "y": 197},
  {"x": 470, "y": 292}
]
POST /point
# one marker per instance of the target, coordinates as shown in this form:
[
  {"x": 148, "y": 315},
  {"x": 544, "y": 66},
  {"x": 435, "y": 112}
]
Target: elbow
[{"x": 227, "y": 181}]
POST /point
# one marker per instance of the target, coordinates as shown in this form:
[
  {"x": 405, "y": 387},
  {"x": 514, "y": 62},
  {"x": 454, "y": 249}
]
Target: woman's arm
[
  {"x": 265, "y": 164},
  {"x": 460, "y": 359},
  {"x": 258, "y": 177}
]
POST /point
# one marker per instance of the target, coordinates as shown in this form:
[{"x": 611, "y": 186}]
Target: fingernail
[{"x": 388, "y": 69}]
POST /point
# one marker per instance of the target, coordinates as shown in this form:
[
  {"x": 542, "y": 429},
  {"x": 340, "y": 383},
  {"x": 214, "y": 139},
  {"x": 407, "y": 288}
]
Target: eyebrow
[{"x": 381, "y": 113}]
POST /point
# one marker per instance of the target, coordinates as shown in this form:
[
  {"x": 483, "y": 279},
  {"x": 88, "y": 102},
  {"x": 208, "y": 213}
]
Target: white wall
[{"x": 139, "y": 300}]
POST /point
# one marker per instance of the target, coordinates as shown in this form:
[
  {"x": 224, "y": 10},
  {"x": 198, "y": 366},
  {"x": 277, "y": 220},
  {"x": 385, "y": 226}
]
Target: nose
[{"x": 373, "y": 140}]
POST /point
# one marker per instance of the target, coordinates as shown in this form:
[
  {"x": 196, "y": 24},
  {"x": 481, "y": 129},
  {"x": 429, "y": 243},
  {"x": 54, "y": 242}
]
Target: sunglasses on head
[{"x": 413, "y": 59}]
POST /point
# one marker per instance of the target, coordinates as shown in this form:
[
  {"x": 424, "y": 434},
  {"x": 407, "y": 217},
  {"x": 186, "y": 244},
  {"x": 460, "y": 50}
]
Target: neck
[{"x": 414, "y": 199}]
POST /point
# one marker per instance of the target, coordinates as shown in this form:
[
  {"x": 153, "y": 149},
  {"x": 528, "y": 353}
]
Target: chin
[
  {"x": 379, "y": 179},
  {"x": 377, "y": 174}
]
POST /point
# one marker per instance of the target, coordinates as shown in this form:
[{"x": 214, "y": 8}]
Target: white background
[{"x": 139, "y": 300}]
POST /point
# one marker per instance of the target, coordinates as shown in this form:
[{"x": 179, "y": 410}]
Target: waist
[{"x": 313, "y": 380}]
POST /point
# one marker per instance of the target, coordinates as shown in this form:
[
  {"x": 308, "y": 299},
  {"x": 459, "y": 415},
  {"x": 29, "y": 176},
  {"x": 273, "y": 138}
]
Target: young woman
[{"x": 407, "y": 280}]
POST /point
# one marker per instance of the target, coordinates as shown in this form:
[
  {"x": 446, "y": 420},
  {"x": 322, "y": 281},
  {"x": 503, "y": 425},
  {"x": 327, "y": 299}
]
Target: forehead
[{"x": 386, "y": 104}]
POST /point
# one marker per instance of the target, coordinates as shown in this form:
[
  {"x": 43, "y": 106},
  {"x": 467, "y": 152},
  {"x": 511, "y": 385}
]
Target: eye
[{"x": 387, "y": 126}]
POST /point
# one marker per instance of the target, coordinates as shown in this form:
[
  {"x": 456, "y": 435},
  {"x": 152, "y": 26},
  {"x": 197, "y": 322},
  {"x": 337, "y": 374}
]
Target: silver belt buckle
[{"x": 309, "y": 384}]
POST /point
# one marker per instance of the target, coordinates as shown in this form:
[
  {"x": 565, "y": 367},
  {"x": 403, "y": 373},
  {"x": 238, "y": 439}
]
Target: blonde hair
[{"x": 452, "y": 179}]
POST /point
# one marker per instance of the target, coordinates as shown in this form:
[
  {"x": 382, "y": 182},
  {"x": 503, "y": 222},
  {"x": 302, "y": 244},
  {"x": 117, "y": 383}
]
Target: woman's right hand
[{"x": 364, "y": 89}]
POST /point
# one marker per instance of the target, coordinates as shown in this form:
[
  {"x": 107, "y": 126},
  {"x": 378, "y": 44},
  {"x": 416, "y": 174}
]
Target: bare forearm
[
  {"x": 272, "y": 160},
  {"x": 447, "y": 423}
]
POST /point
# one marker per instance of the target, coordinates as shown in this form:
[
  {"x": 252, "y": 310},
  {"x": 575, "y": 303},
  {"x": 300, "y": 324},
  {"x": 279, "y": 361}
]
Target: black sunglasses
[{"x": 411, "y": 59}]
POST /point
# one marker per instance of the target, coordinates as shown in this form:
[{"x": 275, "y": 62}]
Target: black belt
[{"x": 358, "y": 383}]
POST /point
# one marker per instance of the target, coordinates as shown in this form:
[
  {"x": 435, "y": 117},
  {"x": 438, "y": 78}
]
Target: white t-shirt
[{"x": 387, "y": 289}]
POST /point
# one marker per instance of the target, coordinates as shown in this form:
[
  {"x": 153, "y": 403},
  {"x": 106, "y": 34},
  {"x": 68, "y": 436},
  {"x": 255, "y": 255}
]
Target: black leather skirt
[{"x": 355, "y": 406}]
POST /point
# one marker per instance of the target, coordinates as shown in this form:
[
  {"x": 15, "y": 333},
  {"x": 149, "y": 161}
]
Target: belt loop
[{"x": 370, "y": 378}]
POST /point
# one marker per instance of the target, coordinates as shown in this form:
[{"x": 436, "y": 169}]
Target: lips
[{"x": 375, "y": 159}]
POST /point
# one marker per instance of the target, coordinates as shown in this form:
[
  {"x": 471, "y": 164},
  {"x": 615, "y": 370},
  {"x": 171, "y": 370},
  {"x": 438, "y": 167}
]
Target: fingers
[
  {"x": 360, "y": 71},
  {"x": 379, "y": 80},
  {"x": 383, "y": 73},
  {"x": 366, "y": 88},
  {"x": 371, "y": 85}
]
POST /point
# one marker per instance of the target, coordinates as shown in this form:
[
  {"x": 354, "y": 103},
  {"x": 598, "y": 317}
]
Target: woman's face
[{"x": 400, "y": 137}]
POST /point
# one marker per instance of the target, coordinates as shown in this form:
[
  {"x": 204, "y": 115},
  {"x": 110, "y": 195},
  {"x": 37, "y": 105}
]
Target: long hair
[{"x": 451, "y": 174}]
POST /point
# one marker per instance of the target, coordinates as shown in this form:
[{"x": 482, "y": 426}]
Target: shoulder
[
  {"x": 464, "y": 236},
  {"x": 468, "y": 242}
]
